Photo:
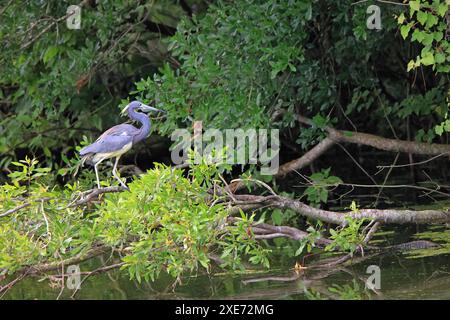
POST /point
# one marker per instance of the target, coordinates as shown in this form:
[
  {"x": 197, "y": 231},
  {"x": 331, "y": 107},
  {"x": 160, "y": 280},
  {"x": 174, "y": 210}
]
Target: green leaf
[
  {"x": 404, "y": 30},
  {"x": 431, "y": 21},
  {"x": 427, "y": 59},
  {"x": 277, "y": 217},
  {"x": 417, "y": 35},
  {"x": 411, "y": 65},
  {"x": 50, "y": 53},
  {"x": 438, "y": 36},
  {"x": 414, "y": 5},
  {"x": 428, "y": 39},
  {"x": 439, "y": 58},
  {"x": 442, "y": 9},
  {"x": 273, "y": 73},
  {"x": 422, "y": 17},
  {"x": 447, "y": 126},
  {"x": 300, "y": 249}
]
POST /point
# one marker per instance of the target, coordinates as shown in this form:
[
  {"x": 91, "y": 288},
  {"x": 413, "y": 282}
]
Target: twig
[
  {"x": 6, "y": 7},
  {"x": 257, "y": 182},
  {"x": 9, "y": 285},
  {"x": 383, "y": 1},
  {"x": 54, "y": 22},
  {"x": 414, "y": 163},
  {"x": 24, "y": 205},
  {"x": 353, "y": 185},
  {"x": 227, "y": 188},
  {"x": 385, "y": 181},
  {"x": 294, "y": 277},
  {"x": 88, "y": 195},
  {"x": 49, "y": 235},
  {"x": 99, "y": 270},
  {"x": 371, "y": 232},
  {"x": 11, "y": 211}
]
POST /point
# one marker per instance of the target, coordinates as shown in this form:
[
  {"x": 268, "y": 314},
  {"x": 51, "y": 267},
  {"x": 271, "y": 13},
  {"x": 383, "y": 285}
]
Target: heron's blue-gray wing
[
  {"x": 120, "y": 130},
  {"x": 113, "y": 139}
]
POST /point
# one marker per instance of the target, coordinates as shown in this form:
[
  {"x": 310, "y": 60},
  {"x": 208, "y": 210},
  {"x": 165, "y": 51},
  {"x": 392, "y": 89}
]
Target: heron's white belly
[{"x": 107, "y": 155}]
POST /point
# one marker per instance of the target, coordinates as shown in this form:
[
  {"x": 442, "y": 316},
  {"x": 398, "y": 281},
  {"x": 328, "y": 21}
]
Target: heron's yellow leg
[
  {"x": 96, "y": 171},
  {"x": 116, "y": 175}
]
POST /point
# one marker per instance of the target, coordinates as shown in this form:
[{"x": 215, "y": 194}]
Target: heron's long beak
[{"x": 147, "y": 108}]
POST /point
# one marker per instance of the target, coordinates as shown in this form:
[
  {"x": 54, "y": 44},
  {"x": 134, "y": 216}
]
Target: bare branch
[
  {"x": 11, "y": 211},
  {"x": 24, "y": 205},
  {"x": 306, "y": 159},
  {"x": 89, "y": 195},
  {"x": 389, "y": 216}
]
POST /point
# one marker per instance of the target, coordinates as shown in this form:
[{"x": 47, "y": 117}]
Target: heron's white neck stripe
[{"x": 125, "y": 109}]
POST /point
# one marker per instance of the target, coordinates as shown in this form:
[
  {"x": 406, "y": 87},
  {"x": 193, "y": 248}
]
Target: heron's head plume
[{"x": 137, "y": 105}]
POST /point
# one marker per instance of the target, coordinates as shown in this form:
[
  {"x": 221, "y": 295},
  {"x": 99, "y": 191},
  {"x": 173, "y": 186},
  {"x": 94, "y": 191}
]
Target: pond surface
[{"x": 403, "y": 276}]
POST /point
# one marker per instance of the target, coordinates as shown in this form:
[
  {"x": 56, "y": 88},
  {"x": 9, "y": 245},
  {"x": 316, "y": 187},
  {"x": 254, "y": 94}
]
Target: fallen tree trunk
[{"x": 388, "y": 216}]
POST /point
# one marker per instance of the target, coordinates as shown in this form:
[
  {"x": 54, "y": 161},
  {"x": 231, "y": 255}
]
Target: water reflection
[{"x": 401, "y": 278}]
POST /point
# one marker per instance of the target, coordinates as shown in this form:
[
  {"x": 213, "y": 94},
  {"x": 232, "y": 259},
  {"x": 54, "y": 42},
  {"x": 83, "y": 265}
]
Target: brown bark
[
  {"x": 388, "y": 216},
  {"x": 388, "y": 144},
  {"x": 45, "y": 267},
  {"x": 340, "y": 136},
  {"x": 381, "y": 143},
  {"x": 306, "y": 159}
]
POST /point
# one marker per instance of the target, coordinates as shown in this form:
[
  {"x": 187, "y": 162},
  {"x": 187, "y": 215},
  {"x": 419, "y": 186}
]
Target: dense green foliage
[
  {"x": 428, "y": 25},
  {"x": 242, "y": 67},
  {"x": 246, "y": 64},
  {"x": 430, "y": 31},
  {"x": 162, "y": 224},
  {"x": 232, "y": 65},
  {"x": 58, "y": 84}
]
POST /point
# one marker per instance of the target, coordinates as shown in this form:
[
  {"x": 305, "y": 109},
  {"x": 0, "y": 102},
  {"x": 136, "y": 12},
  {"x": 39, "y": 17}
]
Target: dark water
[{"x": 402, "y": 277}]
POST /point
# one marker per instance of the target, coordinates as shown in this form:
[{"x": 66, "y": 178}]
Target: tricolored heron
[{"x": 117, "y": 140}]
